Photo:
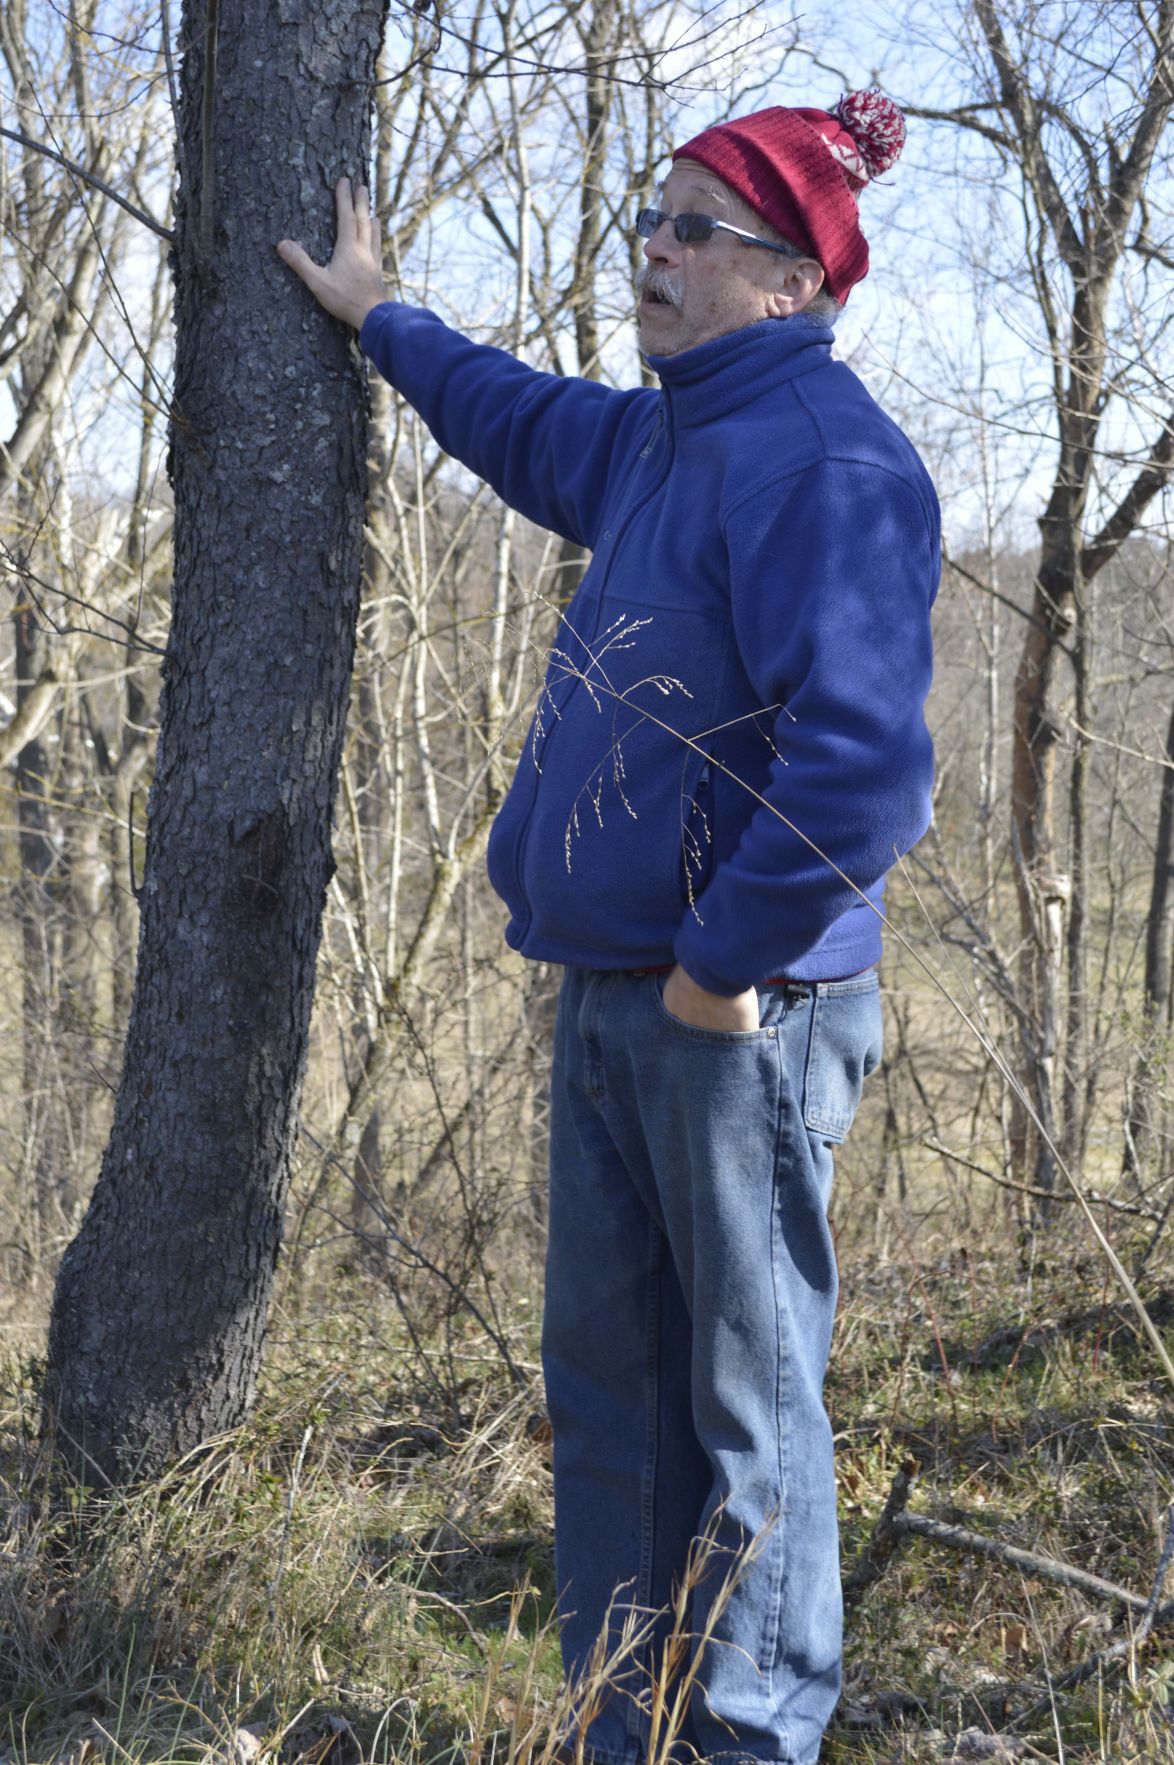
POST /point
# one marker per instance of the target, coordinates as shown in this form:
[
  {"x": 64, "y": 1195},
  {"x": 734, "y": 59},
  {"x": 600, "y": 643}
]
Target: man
[{"x": 727, "y": 754}]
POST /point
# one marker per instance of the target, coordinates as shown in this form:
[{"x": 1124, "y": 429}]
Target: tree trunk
[
  {"x": 1151, "y": 1072},
  {"x": 160, "y": 1309},
  {"x": 1043, "y": 891},
  {"x": 38, "y": 913}
]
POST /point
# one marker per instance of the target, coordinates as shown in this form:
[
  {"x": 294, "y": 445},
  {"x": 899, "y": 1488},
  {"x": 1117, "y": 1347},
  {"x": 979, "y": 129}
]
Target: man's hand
[
  {"x": 352, "y": 282},
  {"x": 709, "y": 1011}
]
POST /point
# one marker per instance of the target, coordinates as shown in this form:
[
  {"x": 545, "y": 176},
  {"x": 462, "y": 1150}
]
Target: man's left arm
[{"x": 832, "y": 572}]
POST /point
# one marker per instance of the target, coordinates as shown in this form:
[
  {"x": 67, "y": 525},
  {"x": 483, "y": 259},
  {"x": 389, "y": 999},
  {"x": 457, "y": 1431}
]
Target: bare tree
[
  {"x": 1073, "y": 100},
  {"x": 162, "y": 1298}
]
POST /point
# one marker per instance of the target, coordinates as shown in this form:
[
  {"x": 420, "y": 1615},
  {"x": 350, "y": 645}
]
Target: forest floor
[{"x": 365, "y": 1571}]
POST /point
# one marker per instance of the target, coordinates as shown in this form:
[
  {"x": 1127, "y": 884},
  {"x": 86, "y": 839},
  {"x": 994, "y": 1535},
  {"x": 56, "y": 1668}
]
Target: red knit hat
[{"x": 801, "y": 170}]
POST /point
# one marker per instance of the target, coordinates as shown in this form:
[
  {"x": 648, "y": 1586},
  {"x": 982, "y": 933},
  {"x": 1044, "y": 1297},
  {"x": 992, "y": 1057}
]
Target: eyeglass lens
[{"x": 688, "y": 229}]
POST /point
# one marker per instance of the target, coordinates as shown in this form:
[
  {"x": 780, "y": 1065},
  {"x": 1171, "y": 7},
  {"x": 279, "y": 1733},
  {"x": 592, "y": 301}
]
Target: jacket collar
[{"x": 717, "y": 377}]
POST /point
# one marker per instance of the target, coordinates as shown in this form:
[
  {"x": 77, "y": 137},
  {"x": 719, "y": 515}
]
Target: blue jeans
[{"x": 690, "y": 1295}]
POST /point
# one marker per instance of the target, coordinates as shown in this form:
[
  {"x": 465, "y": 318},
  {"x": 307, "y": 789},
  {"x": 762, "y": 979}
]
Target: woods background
[{"x": 340, "y": 1571}]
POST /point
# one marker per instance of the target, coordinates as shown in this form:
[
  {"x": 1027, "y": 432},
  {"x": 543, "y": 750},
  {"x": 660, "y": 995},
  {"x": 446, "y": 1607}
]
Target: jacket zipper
[{"x": 613, "y": 537}]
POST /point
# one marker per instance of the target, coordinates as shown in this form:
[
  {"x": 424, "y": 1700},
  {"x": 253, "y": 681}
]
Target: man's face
[{"x": 689, "y": 294}]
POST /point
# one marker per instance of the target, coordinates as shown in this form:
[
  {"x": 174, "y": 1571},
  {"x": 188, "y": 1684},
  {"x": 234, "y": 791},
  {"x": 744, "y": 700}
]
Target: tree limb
[
  {"x": 1091, "y": 1195},
  {"x": 1129, "y": 175},
  {"x": 883, "y": 1540},
  {"x": 1003, "y": 599},
  {"x": 30, "y": 719},
  {"x": 78, "y": 171},
  {"x": 1121, "y": 523},
  {"x": 1045, "y": 1568},
  {"x": 1021, "y": 105},
  {"x": 964, "y": 118}
]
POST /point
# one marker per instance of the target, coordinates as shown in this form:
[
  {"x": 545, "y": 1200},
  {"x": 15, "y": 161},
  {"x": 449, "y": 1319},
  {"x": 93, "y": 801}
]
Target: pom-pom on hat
[{"x": 802, "y": 170}]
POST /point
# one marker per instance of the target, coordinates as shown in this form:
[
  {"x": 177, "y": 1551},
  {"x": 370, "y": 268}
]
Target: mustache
[{"x": 665, "y": 284}]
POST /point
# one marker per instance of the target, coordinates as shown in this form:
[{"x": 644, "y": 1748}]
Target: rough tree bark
[{"x": 160, "y": 1308}]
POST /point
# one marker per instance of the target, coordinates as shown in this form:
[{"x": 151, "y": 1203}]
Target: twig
[
  {"x": 1091, "y": 1195},
  {"x": 1106, "y": 1657},
  {"x": 884, "y": 1539},
  {"x": 1004, "y": 600},
  {"x": 895, "y": 1523},
  {"x": 1150, "y": 1614},
  {"x": 1046, "y": 1568},
  {"x": 71, "y": 165}
]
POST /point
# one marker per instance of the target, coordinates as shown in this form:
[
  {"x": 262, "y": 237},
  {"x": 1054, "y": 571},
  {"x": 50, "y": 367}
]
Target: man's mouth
[{"x": 655, "y": 292}]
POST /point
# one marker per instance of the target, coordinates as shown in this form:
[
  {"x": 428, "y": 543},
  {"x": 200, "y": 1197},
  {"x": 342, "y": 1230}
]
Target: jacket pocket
[{"x": 844, "y": 1045}]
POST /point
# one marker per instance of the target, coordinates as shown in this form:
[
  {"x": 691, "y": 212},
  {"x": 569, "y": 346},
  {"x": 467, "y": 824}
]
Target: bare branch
[
  {"x": 98, "y": 183},
  {"x": 1129, "y": 176},
  {"x": 1031, "y": 1562},
  {"x": 1125, "y": 517},
  {"x": 964, "y": 117},
  {"x": 31, "y": 718},
  {"x": 1020, "y": 103}
]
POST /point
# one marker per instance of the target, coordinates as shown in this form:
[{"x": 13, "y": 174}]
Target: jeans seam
[
  {"x": 780, "y": 1445},
  {"x": 656, "y": 1250}
]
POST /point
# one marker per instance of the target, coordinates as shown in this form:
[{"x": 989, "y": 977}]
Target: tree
[
  {"x": 1074, "y": 100},
  {"x": 161, "y": 1301}
]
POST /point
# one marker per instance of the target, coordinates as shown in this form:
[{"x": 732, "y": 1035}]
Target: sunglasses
[{"x": 697, "y": 229}]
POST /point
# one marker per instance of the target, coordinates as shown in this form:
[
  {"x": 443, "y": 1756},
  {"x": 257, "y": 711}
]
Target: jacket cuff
[{"x": 372, "y": 325}]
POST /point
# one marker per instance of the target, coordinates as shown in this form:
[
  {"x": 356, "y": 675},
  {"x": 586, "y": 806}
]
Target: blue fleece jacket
[{"x": 730, "y": 741}]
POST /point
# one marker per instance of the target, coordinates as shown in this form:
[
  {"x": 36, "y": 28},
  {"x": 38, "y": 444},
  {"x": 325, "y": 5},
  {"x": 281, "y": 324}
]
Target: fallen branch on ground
[
  {"x": 883, "y": 1540},
  {"x": 1044, "y": 1568},
  {"x": 896, "y": 1523}
]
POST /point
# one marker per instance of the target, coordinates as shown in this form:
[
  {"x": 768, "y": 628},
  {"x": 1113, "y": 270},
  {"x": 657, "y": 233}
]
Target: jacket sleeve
[
  {"x": 832, "y": 575},
  {"x": 545, "y": 442}
]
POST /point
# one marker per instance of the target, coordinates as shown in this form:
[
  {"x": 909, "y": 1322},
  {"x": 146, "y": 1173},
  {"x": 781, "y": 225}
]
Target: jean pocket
[
  {"x": 768, "y": 1014},
  {"x": 844, "y": 1046}
]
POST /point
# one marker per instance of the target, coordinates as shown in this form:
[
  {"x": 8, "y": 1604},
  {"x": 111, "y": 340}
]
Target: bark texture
[{"x": 161, "y": 1303}]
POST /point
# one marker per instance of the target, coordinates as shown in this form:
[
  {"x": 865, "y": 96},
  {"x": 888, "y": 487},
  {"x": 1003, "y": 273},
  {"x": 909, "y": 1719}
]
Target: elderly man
[{"x": 728, "y": 752}]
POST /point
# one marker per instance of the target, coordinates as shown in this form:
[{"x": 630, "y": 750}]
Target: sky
[{"x": 944, "y": 330}]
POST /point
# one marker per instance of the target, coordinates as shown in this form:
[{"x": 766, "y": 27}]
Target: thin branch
[
  {"x": 1105, "y": 741},
  {"x": 1031, "y": 1562},
  {"x": 964, "y": 118},
  {"x": 1004, "y": 600},
  {"x": 883, "y": 1539},
  {"x": 30, "y": 719},
  {"x": 78, "y": 171},
  {"x": 1020, "y": 103},
  {"x": 1125, "y": 517},
  {"x": 1092, "y": 1195}
]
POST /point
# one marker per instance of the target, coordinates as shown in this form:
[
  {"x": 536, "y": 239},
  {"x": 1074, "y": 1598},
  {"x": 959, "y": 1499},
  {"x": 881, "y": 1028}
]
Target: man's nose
[{"x": 662, "y": 247}]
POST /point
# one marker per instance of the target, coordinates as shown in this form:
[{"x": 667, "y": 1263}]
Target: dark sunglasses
[{"x": 697, "y": 229}]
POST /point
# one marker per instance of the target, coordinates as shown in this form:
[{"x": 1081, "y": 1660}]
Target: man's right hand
[{"x": 352, "y": 282}]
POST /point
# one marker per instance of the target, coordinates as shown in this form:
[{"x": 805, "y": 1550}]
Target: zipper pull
[{"x": 657, "y": 427}]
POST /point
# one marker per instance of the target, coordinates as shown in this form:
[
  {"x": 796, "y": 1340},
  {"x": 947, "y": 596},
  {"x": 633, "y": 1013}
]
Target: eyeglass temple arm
[{"x": 767, "y": 244}]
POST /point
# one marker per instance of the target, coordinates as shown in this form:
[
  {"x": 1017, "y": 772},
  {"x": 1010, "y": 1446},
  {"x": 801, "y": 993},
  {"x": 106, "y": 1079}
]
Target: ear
[{"x": 801, "y": 281}]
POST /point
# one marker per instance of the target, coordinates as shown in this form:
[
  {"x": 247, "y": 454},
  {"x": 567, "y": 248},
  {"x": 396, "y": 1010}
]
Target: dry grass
[{"x": 365, "y": 1571}]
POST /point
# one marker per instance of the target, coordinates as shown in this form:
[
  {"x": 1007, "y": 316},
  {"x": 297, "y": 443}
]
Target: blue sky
[{"x": 945, "y": 329}]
